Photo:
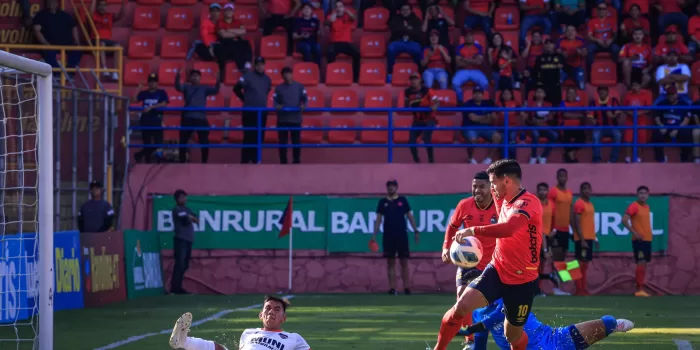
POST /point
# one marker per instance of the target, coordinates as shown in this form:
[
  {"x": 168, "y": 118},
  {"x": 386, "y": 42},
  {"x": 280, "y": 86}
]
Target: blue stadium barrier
[{"x": 390, "y": 145}]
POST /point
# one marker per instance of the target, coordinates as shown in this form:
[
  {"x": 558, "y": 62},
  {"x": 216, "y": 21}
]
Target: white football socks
[{"x": 193, "y": 343}]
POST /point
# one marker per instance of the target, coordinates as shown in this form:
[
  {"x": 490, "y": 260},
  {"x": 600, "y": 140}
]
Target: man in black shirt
[
  {"x": 547, "y": 72},
  {"x": 53, "y": 26},
  {"x": 96, "y": 215},
  {"x": 394, "y": 209},
  {"x": 669, "y": 119},
  {"x": 406, "y": 37},
  {"x": 437, "y": 20},
  {"x": 183, "y": 225}
]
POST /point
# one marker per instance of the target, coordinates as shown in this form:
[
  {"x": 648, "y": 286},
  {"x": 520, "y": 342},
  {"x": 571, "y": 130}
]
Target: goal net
[{"x": 26, "y": 204}]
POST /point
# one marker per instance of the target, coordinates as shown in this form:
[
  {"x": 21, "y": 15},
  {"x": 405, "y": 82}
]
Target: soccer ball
[{"x": 466, "y": 254}]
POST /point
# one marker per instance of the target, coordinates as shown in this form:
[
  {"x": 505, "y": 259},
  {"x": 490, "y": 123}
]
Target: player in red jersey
[
  {"x": 476, "y": 210},
  {"x": 513, "y": 271}
]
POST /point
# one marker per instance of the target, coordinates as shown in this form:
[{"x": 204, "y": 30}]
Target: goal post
[{"x": 18, "y": 67}]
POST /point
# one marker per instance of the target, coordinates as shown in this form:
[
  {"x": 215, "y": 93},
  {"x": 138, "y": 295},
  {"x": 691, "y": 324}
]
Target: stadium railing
[{"x": 506, "y": 129}]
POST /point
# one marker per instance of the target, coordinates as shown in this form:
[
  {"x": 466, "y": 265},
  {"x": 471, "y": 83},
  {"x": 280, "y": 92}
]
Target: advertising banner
[
  {"x": 142, "y": 258},
  {"x": 103, "y": 268},
  {"x": 13, "y": 279}
]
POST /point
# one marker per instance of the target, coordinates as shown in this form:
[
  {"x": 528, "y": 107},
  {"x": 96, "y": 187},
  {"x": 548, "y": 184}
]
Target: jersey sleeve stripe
[{"x": 523, "y": 213}]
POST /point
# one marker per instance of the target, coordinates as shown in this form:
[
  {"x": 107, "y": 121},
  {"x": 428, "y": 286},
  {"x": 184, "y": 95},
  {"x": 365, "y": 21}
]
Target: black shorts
[
  {"x": 395, "y": 245},
  {"x": 466, "y": 276},
  {"x": 581, "y": 254},
  {"x": 642, "y": 250},
  {"x": 560, "y": 240},
  {"x": 517, "y": 298}
]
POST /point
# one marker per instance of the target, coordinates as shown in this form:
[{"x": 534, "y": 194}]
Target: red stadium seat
[
  {"x": 243, "y": 2},
  {"x": 375, "y": 19},
  {"x": 171, "y": 135},
  {"x": 604, "y": 72},
  {"x": 234, "y": 102},
  {"x": 209, "y": 70},
  {"x": 339, "y": 74},
  {"x": 400, "y": 103},
  {"x": 308, "y": 135},
  {"x": 146, "y": 18},
  {"x": 695, "y": 73},
  {"x": 231, "y": 75},
  {"x": 216, "y": 136},
  {"x": 342, "y": 136},
  {"x": 215, "y": 101},
  {"x": 501, "y": 18},
  {"x": 273, "y": 47},
  {"x": 167, "y": 71},
  {"x": 179, "y": 19},
  {"x": 136, "y": 72},
  {"x": 175, "y": 100},
  {"x": 417, "y": 11},
  {"x": 174, "y": 46},
  {"x": 447, "y": 98},
  {"x": 274, "y": 70},
  {"x": 183, "y": 2},
  {"x": 401, "y": 136},
  {"x": 448, "y": 12},
  {"x": 401, "y": 71},
  {"x": 444, "y": 136},
  {"x": 143, "y": 47},
  {"x": 373, "y": 46},
  {"x": 248, "y": 16},
  {"x": 344, "y": 98},
  {"x": 150, "y": 2},
  {"x": 234, "y": 136},
  {"x": 373, "y": 73},
  {"x": 374, "y": 136},
  {"x": 306, "y": 73},
  {"x": 378, "y": 99},
  {"x": 271, "y": 99},
  {"x": 316, "y": 100},
  {"x": 271, "y": 134}
]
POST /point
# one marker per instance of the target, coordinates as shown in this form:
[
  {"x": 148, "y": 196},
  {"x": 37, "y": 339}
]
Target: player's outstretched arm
[{"x": 504, "y": 229}]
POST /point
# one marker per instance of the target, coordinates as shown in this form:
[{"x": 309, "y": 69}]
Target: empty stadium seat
[
  {"x": 167, "y": 71},
  {"x": 400, "y": 103},
  {"x": 604, "y": 72},
  {"x": 501, "y": 18},
  {"x": 374, "y": 136},
  {"x": 234, "y": 136},
  {"x": 271, "y": 136},
  {"x": 373, "y": 46},
  {"x": 174, "y": 46},
  {"x": 215, "y": 101},
  {"x": 344, "y": 98},
  {"x": 146, "y": 18},
  {"x": 273, "y": 47},
  {"x": 341, "y": 136},
  {"x": 179, "y": 19},
  {"x": 401, "y": 136},
  {"x": 447, "y": 98},
  {"x": 231, "y": 75},
  {"x": 209, "y": 70},
  {"x": 378, "y": 99},
  {"x": 175, "y": 100},
  {"x": 315, "y": 100},
  {"x": 339, "y": 74},
  {"x": 695, "y": 73},
  {"x": 274, "y": 70},
  {"x": 141, "y": 46},
  {"x": 373, "y": 73},
  {"x": 310, "y": 136},
  {"x": 271, "y": 99},
  {"x": 401, "y": 71},
  {"x": 444, "y": 136},
  {"x": 150, "y": 2},
  {"x": 183, "y": 2},
  {"x": 216, "y": 136},
  {"x": 136, "y": 72},
  {"x": 171, "y": 135},
  {"x": 234, "y": 102},
  {"x": 248, "y": 16},
  {"x": 375, "y": 19},
  {"x": 306, "y": 73}
]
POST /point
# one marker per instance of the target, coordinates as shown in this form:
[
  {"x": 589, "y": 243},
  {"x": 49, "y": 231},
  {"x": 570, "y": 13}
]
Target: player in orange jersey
[
  {"x": 584, "y": 234},
  {"x": 513, "y": 271},
  {"x": 637, "y": 220},
  {"x": 477, "y": 210}
]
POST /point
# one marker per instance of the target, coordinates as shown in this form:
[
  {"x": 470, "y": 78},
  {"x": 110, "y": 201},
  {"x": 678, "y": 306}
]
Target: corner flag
[
  {"x": 568, "y": 271},
  {"x": 286, "y": 219}
]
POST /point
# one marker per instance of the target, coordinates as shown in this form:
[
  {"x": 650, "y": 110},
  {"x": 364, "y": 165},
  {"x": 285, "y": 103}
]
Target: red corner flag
[{"x": 286, "y": 219}]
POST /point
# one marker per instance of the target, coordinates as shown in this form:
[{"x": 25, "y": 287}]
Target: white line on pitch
[
  {"x": 213, "y": 317},
  {"x": 683, "y": 344}
]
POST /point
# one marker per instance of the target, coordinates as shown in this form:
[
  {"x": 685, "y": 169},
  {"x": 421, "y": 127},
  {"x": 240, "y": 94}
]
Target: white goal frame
[{"x": 44, "y": 91}]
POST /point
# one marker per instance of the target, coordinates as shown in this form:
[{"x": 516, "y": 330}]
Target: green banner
[{"x": 142, "y": 257}]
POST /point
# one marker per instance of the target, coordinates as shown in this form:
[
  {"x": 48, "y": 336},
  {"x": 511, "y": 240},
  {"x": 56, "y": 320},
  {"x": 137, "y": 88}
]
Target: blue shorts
[
  {"x": 475, "y": 134},
  {"x": 563, "y": 338}
]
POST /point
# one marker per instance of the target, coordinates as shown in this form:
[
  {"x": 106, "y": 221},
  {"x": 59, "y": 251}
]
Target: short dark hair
[
  {"x": 542, "y": 184},
  {"x": 482, "y": 175},
  {"x": 284, "y": 301},
  {"x": 584, "y": 184},
  {"x": 178, "y": 193},
  {"x": 562, "y": 170},
  {"x": 642, "y": 187},
  {"x": 504, "y": 167}
]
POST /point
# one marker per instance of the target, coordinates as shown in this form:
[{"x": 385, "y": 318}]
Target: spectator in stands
[
  {"x": 602, "y": 33},
  {"x": 479, "y": 15},
  {"x": 475, "y": 120},
  {"x": 204, "y": 48},
  {"x": 505, "y": 68},
  {"x": 495, "y": 55},
  {"x": 572, "y": 119},
  {"x": 469, "y": 58},
  {"x": 534, "y": 46},
  {"x": 636, "y": 58},
  {"x": 104, "y": 21},
  {"x": 694, "y": 32},
  {"x": 53, "y": 26},
  {"x": 515, "y": 119},
  {"x": 573, "y": 48},
  {"x": 543, "y": 119},
  {"x": 279, "y": 13},
  {"x": 639, "y": 97},
  {"x": 341, "y": 24},
  {"x": 418, "y": 96},
  {"x": 252, "y": 89},
  {"x": 406, "y": 37},
  {"x": 195, "y": 96},
  {"x": 438, "y": 20},
  {"x": 306, "y": 33},
  {"x": 570, "y": 12},
  {"x": 95, "y": 215},
  {"x": 535, "y": 13},
  {"x": 232, "y": 45},
  {"x": 695, "y": 133},
  {"x": 152, "y": 99},
  {"x": 670, "y": 119},
  {"x": 183, "y": 225},
  {"x": 671, "y": 43},
  {"x": 673, "y": 73},
  {"x": 289, "y": 94},
  {"x": 670, "y": 13},
  {"x": 547, "y": 72},
  {"x": 634, "y": 22},
  {"x": 608, "y": 119},
  {"x": 436, "y": 60}
]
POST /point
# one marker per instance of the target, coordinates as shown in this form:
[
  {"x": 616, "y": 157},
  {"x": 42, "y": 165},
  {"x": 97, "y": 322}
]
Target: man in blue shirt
[
  {"x": 474, "y": 124},
  {"x": 152, "y": 99},
  {"x": 394, "y": 209},
  {"x": 305, "y": 33},
  {"x": 670, "y": 119},
  {"x": 541, "y": 336}
]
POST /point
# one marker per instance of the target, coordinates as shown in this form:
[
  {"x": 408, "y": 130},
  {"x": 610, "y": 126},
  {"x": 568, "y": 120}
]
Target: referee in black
[
  {"x": 394, "y": 209},
  {"x": 183, "y": 225},
  {"x": 547, "y": 72}
]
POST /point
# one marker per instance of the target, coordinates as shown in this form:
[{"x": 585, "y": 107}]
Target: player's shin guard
[
  {"x": 610, "y": 324},
  {"x": 448, "y": 329},
  {"x": 639, "y": 276},
  {"x": 199, "y": 344},
  {"x": 521, "y": 344}
]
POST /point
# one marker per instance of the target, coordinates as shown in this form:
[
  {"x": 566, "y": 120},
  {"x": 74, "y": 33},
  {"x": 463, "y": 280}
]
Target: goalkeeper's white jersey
[{"x": 258, "y": 339}]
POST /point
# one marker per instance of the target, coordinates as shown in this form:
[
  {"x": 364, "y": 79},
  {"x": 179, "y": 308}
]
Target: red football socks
[
  {"x": 448, "y": 329},
  {"x": 521, "y": 344},
  {"x": 639, "y": 276},
  {"x": 466, "y": 322}
]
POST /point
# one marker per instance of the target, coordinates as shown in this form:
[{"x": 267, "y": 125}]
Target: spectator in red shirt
[
  {"x": 406, "y": 37},
  {"x": 494, "y": 55},
  {"x": 671, "y": 14},
  {"x": 436, "y": 59},
  {"x": 671, "y": 43},
  {"x": 632, "y": 23},
  {"x": 469, "y": 58},
  {"x": 341, "y": 24},
  {"x": 639, "y": 97},
  {"x": 694, "y": 32},
  {"x": 104, "y": 21},
  {"x": 479, "y": 15},
  {"x": 636, "y": 58},
  {"x": 572, "y": 119},
  {"x": 207, "y": 34},
  {"x": 543, "y": 119},
  {"x": 605, "y": 118},
  {"x": 232, "y": 45},
  {"x": 505, "y": 68},
  {"x": 535, "y": 13},
  {"x": 573, "y": 48},
  {"x": 602, "y": 33},
  {"x": 280, "y": 13}
]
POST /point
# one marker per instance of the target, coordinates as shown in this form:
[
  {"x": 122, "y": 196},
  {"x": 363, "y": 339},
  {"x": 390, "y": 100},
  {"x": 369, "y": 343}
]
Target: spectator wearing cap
[
  {"x": 183, "y": 225},
  {"x": 437, "y": 20},
  {"x": 436, "y": 60},
  {"x": 289, "y": 94},
  {"x": 53, "y": 26},
  {"x": 602, "y": 33},
  {"x": 341, "y": 24},
  {"x": 252, "y": 88},
  {"x": 95, "y": 215},
  {"x": 670, "y": 13},
  {"x": 392, "y": 212},
  {"x": 420, "y": 96},
  {"x": 636, "y": 58},
  {"x": 104, "y": 21},
  {"x": 279, "y": 13},
  {"x": 475, "y": 120},
  {"x": 609, "y": 118},
  {"x": 306, "y": 32},
  {"x": 151, "y": 99},
  {"x": 670, "y": 43},
  {"x": 406, "y": 37},
  {"x": 673, "y": 73},
  {"x": 670, "y": 119},
  {"x": 206, "y": 45},
  {"x": 233, "y": 46},
  {"x": 469, "y": 58},
  {"x": 195, "y": 96},
  {"x": 479, "y": 15},
  {"x": 570, "y": 12}
]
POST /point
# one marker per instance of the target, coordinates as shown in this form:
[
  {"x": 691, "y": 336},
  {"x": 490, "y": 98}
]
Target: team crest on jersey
[
  {"x": 470, "y": 217},
  {"x": 283, "y": 336},
  {"x": 494, "y": 219}
]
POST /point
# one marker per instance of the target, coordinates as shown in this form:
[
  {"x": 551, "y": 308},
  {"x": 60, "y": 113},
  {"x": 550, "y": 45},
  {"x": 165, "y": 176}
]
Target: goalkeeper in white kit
[{"x": 269, "y": 337}]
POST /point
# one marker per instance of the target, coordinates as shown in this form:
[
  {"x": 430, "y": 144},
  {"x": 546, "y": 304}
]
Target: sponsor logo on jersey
[{"x": 267, "y": 343}]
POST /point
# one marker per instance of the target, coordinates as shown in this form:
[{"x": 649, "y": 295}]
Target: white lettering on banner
[
  {"x": 9, "y": 305},
  {"x": 360, "y": 222},
  {"x": 243, "y": 221},
  {"x": 611, "y": 223},
  {"x": 165, "y": 221}
]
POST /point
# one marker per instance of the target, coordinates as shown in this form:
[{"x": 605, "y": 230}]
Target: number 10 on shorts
[{"x": 522, "y": 310}]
